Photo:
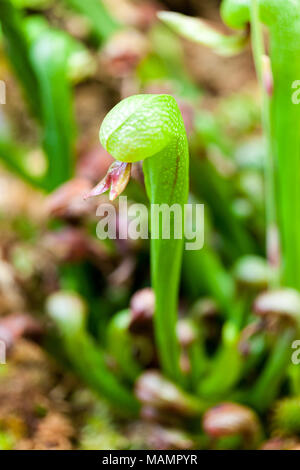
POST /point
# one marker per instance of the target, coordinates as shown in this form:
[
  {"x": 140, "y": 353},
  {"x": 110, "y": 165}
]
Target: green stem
[
  {"x": 166, "y": 255},
  {"x": 283, "y": 20},
  {"x": 198, "y": 358},
  {"x": 49, "y": 55},
  {"x": 120, "y": 345},
  {"x": 258, "y": 52},
  {"x": 267, "y": 386},
  {"x": 89, "y": 362},
  {"x": 68, "y": 312},
  {"x": 226, "y": 367}
]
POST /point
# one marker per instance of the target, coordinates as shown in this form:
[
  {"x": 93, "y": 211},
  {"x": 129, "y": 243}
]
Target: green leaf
[{"x": 200, "y": 32}]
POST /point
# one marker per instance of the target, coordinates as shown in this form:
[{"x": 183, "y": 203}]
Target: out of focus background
[{"x": 63, "y": 65}]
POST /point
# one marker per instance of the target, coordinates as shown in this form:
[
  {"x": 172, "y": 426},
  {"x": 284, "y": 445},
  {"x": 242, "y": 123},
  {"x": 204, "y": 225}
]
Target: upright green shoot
[{"x": 150, "y": 128}]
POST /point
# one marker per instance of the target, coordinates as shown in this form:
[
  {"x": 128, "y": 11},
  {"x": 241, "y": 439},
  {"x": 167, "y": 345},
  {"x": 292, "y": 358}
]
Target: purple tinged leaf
[{"x": 115, "y": 180}]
